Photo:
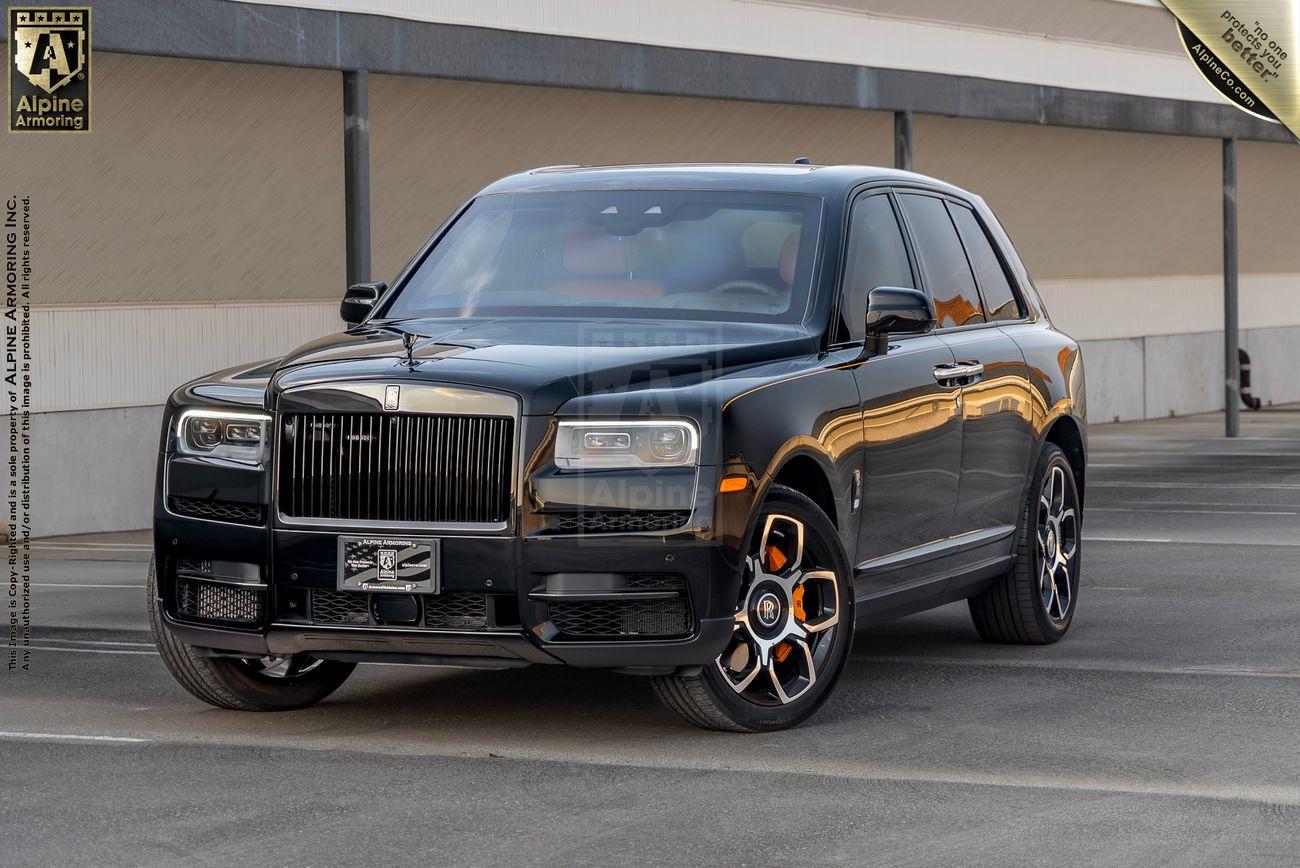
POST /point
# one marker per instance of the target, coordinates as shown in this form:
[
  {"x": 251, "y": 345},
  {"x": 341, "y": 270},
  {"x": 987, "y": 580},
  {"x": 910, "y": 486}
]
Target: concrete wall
[
  {"x": 1173, "y": 375},
  {"x": 93, "y": 470}
]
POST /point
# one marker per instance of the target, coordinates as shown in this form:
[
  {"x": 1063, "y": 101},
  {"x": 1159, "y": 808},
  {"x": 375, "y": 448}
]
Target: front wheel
[
  {"x": 245, "y": 684},
  {"x": 792, "y": 631},
  {"x": 1034, "y": 603}
]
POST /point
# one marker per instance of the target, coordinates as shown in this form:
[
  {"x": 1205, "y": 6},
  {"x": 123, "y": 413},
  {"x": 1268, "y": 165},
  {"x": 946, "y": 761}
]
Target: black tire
[
  {"x": 708, "y": 699},
  {"x": 1014, "y": 609},
  {"x": 237, "y": 684}
]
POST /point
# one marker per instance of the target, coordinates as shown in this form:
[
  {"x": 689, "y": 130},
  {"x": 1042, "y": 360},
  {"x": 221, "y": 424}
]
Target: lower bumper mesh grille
[
  {"x": 611, "y": 619},
  {"x": 618, "y": 618},
  {"x": 454, "y": 610},
  {"x": 217, "y": 510},
  {"x": 217, "y": 603},
  {"x": 620, "y": 521}
]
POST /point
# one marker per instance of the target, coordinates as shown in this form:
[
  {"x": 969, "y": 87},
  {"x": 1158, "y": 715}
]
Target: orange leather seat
[{"x": 598, "y": 263}]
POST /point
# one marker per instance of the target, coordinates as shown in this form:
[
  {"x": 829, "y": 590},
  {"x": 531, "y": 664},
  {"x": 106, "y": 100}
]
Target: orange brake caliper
[
  {"x": 775, "y": 559},
  {"x": 796, "y": 600}
]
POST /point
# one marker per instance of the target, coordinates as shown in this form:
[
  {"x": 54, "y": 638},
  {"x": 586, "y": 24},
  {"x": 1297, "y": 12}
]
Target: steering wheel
[{"x": 751, "y": 285}]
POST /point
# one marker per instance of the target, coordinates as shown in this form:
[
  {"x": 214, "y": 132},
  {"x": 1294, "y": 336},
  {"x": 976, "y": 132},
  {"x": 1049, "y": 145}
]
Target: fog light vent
[
  {"x": 590, "y": 619},
  {"x": 217, "y": 603}
]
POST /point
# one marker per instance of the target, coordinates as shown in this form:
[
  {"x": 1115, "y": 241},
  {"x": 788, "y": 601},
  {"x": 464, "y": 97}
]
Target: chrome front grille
[{"x": 396, "y": 467}]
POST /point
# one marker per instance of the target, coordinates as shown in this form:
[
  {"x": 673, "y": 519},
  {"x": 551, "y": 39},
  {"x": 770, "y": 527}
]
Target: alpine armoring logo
[{"x": 49, "y": 73}]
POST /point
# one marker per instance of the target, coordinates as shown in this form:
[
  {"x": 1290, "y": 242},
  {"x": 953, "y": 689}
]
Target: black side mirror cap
[
  {"x": 360, "y": 300},
  {"x": 895, "y": 310}
]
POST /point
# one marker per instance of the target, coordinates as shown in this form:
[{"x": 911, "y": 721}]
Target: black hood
[{"x": 545, "y": 362}]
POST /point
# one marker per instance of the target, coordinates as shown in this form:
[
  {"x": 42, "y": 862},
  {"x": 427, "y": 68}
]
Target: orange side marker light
[{"x": 730, "y": 484}]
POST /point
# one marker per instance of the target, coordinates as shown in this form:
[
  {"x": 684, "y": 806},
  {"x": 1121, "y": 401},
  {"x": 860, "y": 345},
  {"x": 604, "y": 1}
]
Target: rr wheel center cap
[
  {"x": 768, "y": 610},
  {"x": 1051, "y": 544}
]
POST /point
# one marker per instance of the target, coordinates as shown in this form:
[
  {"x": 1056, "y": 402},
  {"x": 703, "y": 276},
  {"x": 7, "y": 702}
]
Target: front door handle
[{"x": 960, "y": 374}]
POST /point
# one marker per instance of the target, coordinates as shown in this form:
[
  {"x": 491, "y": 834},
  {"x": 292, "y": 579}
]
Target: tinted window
[
  {"x": 877, "y": 257},
  {"x": 947, "y": 273},
  {"x": 667, "y": 254},
  {"x": 999, "y": 300}
]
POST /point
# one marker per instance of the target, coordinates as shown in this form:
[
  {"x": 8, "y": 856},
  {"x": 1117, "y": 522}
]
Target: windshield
[{"x": 675, "y": 254}]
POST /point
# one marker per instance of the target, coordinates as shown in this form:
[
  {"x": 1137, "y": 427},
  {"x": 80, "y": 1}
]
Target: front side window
[
  {"x": 674, "y": 254},
  {"x": 876, "y": 257},
  {"x": 999, "y": 299},
  {"x": 948, "y": 275}
]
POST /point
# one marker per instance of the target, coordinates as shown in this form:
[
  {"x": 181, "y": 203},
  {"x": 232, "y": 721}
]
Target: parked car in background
[{"x": 698, "y": 423}]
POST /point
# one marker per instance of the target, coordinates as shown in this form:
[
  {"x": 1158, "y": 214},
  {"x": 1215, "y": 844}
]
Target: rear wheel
[
  {"x": 266, "y": 683},
  {"x": 1034, "y": 603},
  {"x": 792, "y": 631}
]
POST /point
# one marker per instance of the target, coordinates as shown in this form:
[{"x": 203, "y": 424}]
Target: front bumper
[{"x": 522, "y": 577}]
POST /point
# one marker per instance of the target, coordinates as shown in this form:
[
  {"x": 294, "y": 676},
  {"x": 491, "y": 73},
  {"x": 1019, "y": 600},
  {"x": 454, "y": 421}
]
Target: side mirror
[
  {"x": 359, "y": 300},
  {"x": 895, "y": 310}
]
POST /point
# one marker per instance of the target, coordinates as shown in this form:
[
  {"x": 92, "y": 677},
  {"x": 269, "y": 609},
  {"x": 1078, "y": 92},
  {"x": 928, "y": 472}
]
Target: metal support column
[
  {"x": 903, "y": 140},
  {"x": 1232, "y": 370},
  {"x": 356, "y": 174}
]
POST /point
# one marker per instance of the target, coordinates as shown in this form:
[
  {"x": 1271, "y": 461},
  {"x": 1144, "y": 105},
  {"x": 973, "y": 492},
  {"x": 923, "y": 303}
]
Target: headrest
[
  {"x": 594, "y": 253},
  {"x": 789, "y": 258}
]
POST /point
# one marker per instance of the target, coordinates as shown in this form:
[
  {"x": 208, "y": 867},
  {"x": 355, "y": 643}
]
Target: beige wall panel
[
  {"x": 1138, "y": 25},
  {"x": 434, "y": 143},
  {"x": 1088, "y": 204},
  {"x": 201, "y": 181},
  {"x": 1268, "y": 204},
  {"x": 1137, "y": 306},
  {"x": 127, "y": 356}
]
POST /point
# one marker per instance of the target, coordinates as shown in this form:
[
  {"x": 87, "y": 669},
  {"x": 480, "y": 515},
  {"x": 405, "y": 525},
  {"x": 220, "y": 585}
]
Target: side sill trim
[{"x": 938, "y": 548}]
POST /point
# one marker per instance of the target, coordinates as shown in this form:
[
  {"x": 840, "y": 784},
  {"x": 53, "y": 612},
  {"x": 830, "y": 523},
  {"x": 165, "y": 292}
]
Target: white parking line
[
  {"x": 99, "y": 642},
  {"x": 94, "y": 548},
  {"x": 63, "y": 736},
  {"x": 83, "y": 585},
  {"x": 1086, "y": 666},
  {"x": 1263, "y": 793},
  {"x": 1193, "y": 542},
  {"x": 78, "y": 650},
  {"x": 1192, "y": 511},
  {"x": 1270, "y": 486},
  {"x": 1128, "y": 539}
]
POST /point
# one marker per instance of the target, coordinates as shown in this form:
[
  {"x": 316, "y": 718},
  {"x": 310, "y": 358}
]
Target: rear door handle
[{"x": 961, "y": 374}]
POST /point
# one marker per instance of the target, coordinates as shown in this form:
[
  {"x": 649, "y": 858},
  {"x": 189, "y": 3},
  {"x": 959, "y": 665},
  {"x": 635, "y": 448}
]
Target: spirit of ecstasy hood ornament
[{"x": 408, "y": 343}]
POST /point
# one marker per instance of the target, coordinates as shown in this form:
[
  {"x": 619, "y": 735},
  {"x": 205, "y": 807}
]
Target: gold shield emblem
[{"x": 50, "y": 46}]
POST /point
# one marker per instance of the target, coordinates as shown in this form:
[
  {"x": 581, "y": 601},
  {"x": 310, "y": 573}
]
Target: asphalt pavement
[{"x": 1162, "y": 730}]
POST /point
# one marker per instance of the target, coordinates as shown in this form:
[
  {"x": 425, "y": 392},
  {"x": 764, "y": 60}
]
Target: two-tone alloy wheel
[
  {"x": 1057, "y": 544},
  {"x": 1034, "y": 603},
  {"x": 793, "y": 627}
]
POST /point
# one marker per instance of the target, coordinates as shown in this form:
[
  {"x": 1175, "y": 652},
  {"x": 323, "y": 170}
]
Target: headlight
[
  {"x": 640, "y": 443},
  {"x": 237, "y": 436}
]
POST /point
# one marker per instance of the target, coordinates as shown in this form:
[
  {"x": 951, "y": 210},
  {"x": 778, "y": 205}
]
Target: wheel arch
[
  {"x": 1067, "y": 433},
  {"x": 806, "y": 475}
]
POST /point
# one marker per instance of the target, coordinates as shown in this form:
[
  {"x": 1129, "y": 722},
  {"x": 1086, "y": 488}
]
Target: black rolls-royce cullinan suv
[{"x": 694, "y": 422}]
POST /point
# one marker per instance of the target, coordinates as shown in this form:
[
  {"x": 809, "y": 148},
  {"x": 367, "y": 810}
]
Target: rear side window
[
  {"x": 877, "y": 256},
  {"x": 943, "y": 261},
  {"x": 999, "y": 299}
]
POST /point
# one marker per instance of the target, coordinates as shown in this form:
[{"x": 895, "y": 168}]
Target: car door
[
  {"x": 911, "y": 425},
  {"x": 972, "y": 294}
]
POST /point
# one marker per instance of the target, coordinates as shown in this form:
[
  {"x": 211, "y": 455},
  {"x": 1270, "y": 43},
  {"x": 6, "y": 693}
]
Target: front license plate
[{"x": 381, "y": 563}]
